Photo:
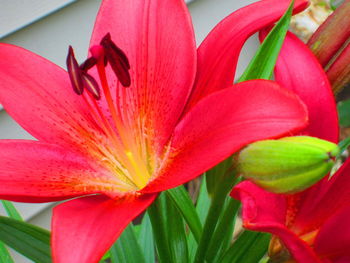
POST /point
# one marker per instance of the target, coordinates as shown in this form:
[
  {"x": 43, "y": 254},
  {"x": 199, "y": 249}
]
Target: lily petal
[
  {"x": 32, "y": 171},
  {"x": 298, "y": 70},
  {"x": 83, "y": 229},
  {"x": 218, "y": 54},
  {"x": 223, "y": 123},
  {"x": 266, "y": 212},
  {"x": 334, "y": 237},
  {"x": 158, "y": 39},
  {"x": 39, "y": 96},
  {"x": 325, "y": 200}
]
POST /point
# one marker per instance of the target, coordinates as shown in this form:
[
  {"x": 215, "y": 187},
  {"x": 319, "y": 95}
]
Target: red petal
[
  {"x": 224, "y": 122},
  {"x": 323, "y": 200},
  {"x": 32, "y": 171},
  {"x": 157, "y": 37},
  {"x": 218, "y": 54},
  {"x": 266, "y": 212},
  {"x": 298, "y": 70},
  {"x": 334, "y": 237},
  {"x": 39, "y": 96},
  {"x": 83, "y": 229}
]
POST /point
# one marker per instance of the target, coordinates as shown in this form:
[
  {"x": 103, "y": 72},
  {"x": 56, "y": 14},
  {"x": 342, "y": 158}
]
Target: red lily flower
[
  {"x": 312, "y": 225},
  {"x": 123, "y": 134}
]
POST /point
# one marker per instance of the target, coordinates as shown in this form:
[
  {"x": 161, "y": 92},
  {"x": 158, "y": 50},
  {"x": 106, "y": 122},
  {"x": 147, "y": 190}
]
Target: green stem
[{"x": 220, "y": 194}]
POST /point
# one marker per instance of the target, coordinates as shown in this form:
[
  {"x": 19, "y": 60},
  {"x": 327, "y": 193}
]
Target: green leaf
[
  {"x": 176, "y": 233},
  {"x": 11, "y": 210},
  {"x": 106, "y": 256},
  {"x": 203, "y": 202},
  {"x": 157, "y": 213},
  {"x": 215, "y": 210},
  {"x": 344, "y": 113},
  {"x": 5, "y": 256},
  {"x": 223, "y": 234},
  {"x": 213, "y": 176},
  {"x": 31, "y": 241},
  {"x": 343, "y": 145},
  {"x": 146, "y": 239},
  {"x": 127, "y": 249},
  {"x": 335, "y": 4},
  {"x": 263, "y": 63},
  {"x": 202, "y": 208},
  {"x": 184, "y": 204},
  {"x": 250, "y": 247}
]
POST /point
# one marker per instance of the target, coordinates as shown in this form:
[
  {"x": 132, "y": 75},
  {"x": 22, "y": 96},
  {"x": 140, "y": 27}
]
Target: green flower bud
[{"x": 287, "y": 165}]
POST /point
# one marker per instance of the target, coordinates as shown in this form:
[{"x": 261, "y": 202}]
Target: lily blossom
[
  {"x": 310, "y": 226},
  {"x": 138, "y": 117}
]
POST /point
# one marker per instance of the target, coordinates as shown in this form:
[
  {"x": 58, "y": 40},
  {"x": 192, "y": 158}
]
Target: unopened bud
[{"x": 287, "y": 165}]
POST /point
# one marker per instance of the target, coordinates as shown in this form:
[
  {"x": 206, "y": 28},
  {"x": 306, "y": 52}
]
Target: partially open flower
[{"x": 287, "y": 165}]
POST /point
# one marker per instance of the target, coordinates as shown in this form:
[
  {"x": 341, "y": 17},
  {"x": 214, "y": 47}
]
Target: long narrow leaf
[
  {"x": 31, "y": 241},
  {"x": 263, "y": 63},
  {"x": 344, "y": 144},
  {"x": 184, "y": 204},
  {"x": 117, "y": 255},
  {"x": 224, "y": 231},
  {"x": 250, "y": 247},
  {"x": 146, "y": 239},
  {"x": 203, "y": 202},
  {"x": 215, "y": 210},
  {"x": 157, "y": 213},
  {"x": 5, "y": 256},
  {"x": 11, "y": 210},
  {"x": 202, "y": 208},
  {"x": 213, "y": 176},
  {"x": 344, "y": 113},
  {"x": 127, "y": 249},
  {"x": 176, "y": 233}
]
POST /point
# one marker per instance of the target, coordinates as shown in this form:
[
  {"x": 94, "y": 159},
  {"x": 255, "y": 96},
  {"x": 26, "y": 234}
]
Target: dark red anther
[
  {"x": 117, "y": 59},
  {"x": 74, "y": 72},
  {"x": 88, "y": 64},
  {"x": 91, "y": 85},
  {"x": 107, "y": 41}
]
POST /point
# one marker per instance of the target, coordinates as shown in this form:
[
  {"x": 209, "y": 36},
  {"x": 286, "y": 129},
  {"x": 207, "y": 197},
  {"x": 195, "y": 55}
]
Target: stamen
[
  {"x": 117, "y": 59},
  {"x": 74, "y": 72},
  {"x": 107, "y": 40},
  {"x": 91, "y": 85},
  {"x": 88, "y": 64}
]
